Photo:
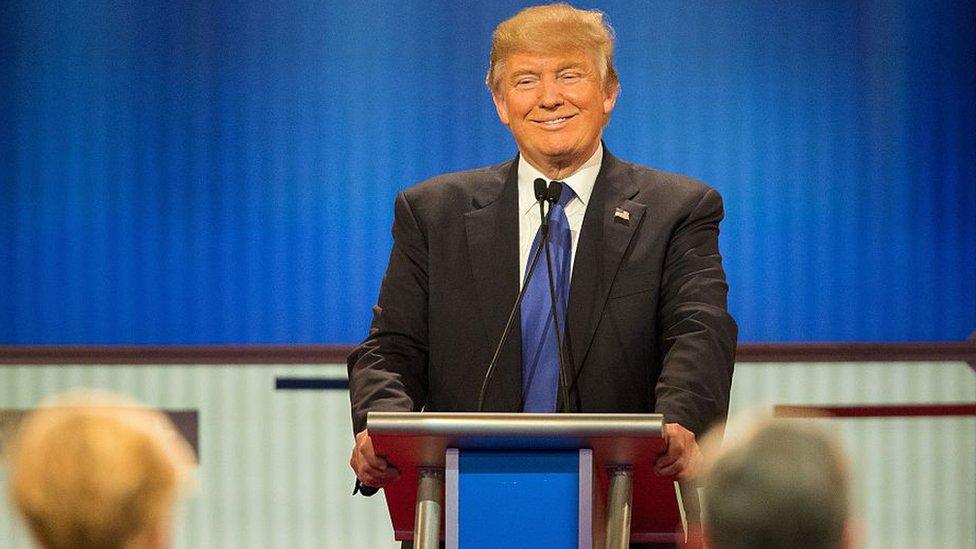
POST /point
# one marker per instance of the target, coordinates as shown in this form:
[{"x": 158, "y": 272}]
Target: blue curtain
[{"x": 224, "y": 172}]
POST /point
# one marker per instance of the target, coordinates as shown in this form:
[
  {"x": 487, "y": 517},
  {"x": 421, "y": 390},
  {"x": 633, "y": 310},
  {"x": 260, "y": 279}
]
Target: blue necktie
[{"x": 540, "y": 353}]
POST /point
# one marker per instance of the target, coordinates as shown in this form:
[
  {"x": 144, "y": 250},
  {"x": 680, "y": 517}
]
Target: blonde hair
[
  {"x": 96, "y": 470},
  {"x": 553, "y": 28}
]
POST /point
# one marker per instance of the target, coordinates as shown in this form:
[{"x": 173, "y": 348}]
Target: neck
[
  {"x": 559, "y": 168},
  {"x": 558, "y": 172}
]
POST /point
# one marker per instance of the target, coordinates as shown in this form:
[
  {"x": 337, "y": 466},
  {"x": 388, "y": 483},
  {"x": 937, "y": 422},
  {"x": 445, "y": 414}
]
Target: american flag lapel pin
[{"x": 621, "y": 216}]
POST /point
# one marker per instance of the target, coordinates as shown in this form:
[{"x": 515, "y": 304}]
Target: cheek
[
  {"x": 502, "y": 108},
  {"x": 521, "y": 105}
]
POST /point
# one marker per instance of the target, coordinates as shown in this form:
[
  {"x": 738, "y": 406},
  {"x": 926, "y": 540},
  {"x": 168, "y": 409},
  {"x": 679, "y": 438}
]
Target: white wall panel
[
  {"x": 915, "y": 478},
  {"x": 274, "y": 469}
]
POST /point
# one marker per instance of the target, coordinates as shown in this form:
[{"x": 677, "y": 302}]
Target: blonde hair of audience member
[
  {"x": 554, "y": 28},
  {"x": 95, "y": 470},
  {"x": 777, "y": 484}
]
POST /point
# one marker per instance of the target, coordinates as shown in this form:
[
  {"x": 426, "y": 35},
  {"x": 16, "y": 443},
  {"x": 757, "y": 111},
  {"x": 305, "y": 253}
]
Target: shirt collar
[{"x": 581, "y": 181}]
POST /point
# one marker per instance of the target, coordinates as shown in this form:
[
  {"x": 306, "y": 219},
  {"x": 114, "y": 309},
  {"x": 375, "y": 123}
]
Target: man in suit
[{"x": 643, "y": 314}]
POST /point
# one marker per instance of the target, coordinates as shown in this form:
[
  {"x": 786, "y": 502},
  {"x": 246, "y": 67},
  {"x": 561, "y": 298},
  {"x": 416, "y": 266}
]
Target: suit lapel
[
  {"x": 611, "y": 221},
  {"x": 493, "y": 247}
]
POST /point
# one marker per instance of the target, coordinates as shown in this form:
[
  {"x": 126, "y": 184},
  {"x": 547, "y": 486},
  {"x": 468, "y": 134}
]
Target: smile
[{"x": 555, "y": 122}]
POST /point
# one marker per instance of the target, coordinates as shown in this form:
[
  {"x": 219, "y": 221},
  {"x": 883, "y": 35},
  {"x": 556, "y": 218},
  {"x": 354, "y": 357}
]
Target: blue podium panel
[{"x": 518, "y": 499}]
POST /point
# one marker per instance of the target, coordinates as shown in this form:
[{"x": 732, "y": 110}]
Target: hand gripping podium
[{"x": 527, "y": 480}]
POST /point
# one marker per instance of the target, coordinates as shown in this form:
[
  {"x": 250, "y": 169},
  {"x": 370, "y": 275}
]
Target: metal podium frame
[{"x": 627, "y": 500}]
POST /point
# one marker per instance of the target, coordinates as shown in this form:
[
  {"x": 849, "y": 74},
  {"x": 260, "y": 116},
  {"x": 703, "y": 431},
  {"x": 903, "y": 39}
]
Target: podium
[{"x": 527, "y": 480}]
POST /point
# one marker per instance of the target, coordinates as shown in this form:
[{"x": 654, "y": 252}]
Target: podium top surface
[
  {"x": 420, "y": 438},
  {"x": 521, "y": 425}
]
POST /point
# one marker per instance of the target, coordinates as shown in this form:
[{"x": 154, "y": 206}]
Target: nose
[{"x": 550, "y": 95}]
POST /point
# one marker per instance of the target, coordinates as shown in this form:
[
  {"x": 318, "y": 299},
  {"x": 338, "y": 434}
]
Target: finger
[
  {"x": 374, "y": 461},
  {"x": 674, "y": 452},
  {"x": 371, "y": 469},
  {"x": 364, "y": 445},
  {"x": 375, "y": 477},
  {"x": 370, "y": 481},
  {"x": 364, "y": 469},
  {"x": 684, "y": 469},
  {"x": 670, "y": 470},
  {"x": 378, "y": 480},
  {"x": 362, "y": 465},
  {"x": 665, "y": 460}
]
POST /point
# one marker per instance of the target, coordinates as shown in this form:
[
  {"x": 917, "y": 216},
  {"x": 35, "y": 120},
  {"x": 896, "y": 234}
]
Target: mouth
[{"x": 555, "y": 122}]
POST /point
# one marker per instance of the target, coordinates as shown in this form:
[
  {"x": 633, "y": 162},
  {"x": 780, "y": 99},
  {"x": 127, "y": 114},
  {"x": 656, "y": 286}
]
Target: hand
[
  {"x": 371, "y": 469},
  {"x": 682, "y": 458}
]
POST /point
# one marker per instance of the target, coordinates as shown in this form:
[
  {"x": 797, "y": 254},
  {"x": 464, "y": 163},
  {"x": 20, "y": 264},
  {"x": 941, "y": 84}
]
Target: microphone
[
  {"x": 542, "y": 196},
  {"x": 552, "y": 197},
  {"x": 539, "y": 185},
  {"x": 554, "y": 191}
]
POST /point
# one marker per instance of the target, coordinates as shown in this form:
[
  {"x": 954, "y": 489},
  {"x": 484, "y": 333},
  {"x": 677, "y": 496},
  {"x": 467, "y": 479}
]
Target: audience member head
[
  {"x": 778, "y": 484},
  {"x": 95, "y": 470}
]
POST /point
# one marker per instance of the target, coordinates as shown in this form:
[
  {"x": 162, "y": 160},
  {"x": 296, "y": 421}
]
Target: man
[
  {"x": 643, "y": 316},
  {"x": 781, "y": 485},
  {"x": 97, "y": 470}
]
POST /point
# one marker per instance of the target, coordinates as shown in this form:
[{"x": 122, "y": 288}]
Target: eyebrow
[
  {"x": 531, "y": 72},
  {"x": 523, "y": 72}
]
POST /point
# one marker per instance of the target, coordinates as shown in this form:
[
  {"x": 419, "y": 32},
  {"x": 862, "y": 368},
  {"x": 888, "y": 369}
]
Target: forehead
[{"x": 522, "y": 61}]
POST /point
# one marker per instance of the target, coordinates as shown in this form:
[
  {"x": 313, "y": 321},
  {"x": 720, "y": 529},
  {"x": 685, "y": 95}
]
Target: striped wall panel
[
  {"x": 915, "y": 478},
  {"x": 274, "y": 467},
  {"x": 274, "y": 470}
]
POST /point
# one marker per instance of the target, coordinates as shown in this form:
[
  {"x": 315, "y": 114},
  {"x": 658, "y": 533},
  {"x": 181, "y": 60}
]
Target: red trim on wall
[
  {"x": 876, "y": 410},
  {"x": 963, "y": 351},
  {"x": 174, "y": 354}
]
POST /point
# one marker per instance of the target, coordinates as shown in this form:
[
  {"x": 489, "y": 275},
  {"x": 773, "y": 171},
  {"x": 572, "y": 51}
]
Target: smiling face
[{"x": 555, "y": 106}]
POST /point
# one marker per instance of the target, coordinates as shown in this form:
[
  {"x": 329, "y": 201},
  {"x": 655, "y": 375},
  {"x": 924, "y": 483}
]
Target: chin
[
  {"x": 563, "y": 155},
  {"x": 559, "y": 148}
]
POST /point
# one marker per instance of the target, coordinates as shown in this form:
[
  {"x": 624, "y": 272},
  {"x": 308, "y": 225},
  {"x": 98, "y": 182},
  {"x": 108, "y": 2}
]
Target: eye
[
  {"x": 525, "y": 82},
  {"x": 570, "y": 76}
]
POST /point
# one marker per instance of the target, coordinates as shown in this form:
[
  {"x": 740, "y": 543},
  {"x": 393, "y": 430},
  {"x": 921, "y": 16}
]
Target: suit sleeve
[
  {"x": 388, "y": 371},
  {"x": 697, "y": 334}
]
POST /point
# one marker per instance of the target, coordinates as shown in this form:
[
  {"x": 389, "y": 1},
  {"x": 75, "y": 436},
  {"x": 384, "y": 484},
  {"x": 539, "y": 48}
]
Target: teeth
[{"x": 556, "y": 121}]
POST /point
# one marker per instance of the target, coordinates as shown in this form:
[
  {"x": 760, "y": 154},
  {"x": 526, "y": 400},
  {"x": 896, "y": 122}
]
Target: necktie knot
[{"x": 566, "y": 195}]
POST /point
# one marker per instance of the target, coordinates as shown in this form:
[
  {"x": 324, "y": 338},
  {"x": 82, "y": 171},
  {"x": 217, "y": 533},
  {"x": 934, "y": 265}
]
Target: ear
[
  {"x": 501, "y": 107},
  {"x": 610, "y": 99}
]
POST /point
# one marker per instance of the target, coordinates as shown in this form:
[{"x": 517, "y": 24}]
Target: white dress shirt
[{"x": 581, "y": 181}]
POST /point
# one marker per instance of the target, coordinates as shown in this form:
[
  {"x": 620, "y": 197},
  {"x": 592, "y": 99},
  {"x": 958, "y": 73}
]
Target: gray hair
[{"x": 784, "y": 486}]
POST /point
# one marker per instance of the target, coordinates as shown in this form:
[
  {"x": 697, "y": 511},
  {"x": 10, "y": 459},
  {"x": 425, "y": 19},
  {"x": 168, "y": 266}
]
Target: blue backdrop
[{"x": 224, "y": 172}]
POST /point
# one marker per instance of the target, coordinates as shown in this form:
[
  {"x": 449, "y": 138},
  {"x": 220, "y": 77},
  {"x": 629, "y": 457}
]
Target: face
[{"x": 555, "y": 106}]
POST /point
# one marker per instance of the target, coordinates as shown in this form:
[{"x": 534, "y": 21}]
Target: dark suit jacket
[{"x": 648, "y": 329}]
